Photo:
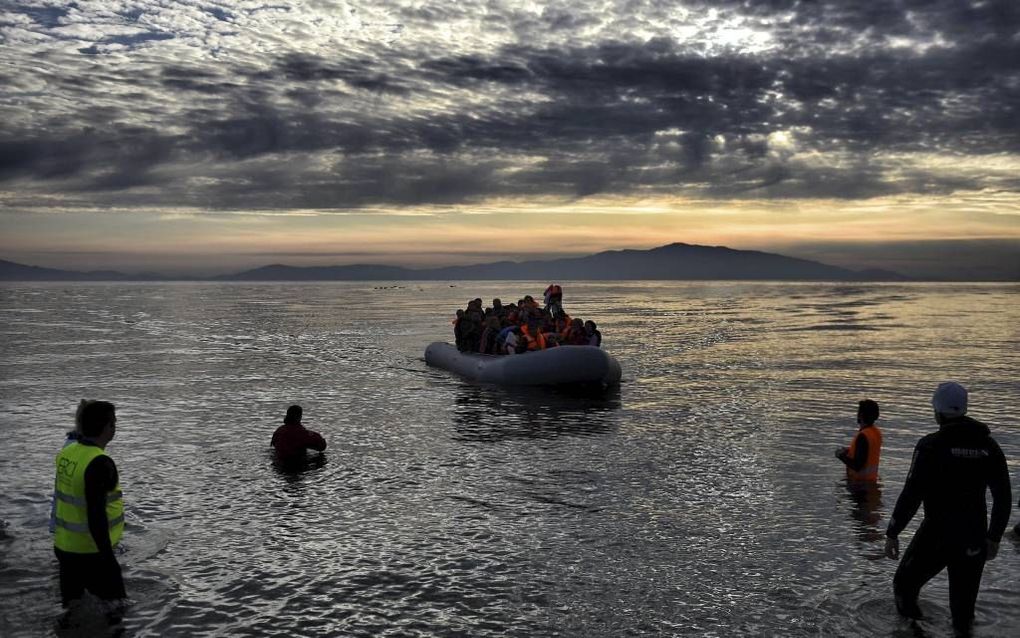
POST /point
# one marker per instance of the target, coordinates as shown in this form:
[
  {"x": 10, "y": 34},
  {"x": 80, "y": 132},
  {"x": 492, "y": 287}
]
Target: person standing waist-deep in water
[
  {"x": 292, "y": 439},
  {"x": 861, "y": 458},
  {"x": 950, "y": 472},
  {"x": 89, "y": 517}
]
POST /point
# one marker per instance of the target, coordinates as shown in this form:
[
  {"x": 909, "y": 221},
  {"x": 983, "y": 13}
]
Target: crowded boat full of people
[
  {"x": 517, "y": 328},
  {"x": 560, "y": 349}
]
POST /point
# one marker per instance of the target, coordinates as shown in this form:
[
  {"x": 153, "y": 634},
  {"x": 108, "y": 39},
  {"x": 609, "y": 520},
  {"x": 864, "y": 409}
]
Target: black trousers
[
  {"x": 80, "y": 572},
  {"x": 928, "y": 554}
]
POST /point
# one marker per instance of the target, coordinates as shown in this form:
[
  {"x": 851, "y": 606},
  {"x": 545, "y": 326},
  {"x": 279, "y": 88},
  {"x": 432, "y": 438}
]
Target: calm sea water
[{"x": 701, "y": 498}]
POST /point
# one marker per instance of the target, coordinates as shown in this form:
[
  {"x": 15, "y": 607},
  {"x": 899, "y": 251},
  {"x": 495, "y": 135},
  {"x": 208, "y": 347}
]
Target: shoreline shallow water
[{"x": 700, "y": 498}]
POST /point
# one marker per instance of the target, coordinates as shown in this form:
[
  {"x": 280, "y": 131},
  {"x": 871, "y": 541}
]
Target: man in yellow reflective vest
[{"x": 89, "y": 517}]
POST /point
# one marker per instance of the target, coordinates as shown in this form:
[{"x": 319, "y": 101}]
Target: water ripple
[{"x": 700, "y": 498}]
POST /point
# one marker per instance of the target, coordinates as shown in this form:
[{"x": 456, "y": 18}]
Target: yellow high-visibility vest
[{"x": 72, "y": 530}]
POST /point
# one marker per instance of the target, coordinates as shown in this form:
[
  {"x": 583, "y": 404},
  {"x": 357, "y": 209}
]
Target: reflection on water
[
  {"x": 866, "y": 511},
  {"x": 89, "y": 617},
  {"x": 299, "y": 470},
  {"x": 491, "y": 413},
  {"x": 698, "y": 498}
]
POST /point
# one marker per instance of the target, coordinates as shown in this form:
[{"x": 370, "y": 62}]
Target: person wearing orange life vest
[
  {"x": 562, "y": 327},
  {"x": 574, "y": 335},
  {"x": 553, "y": 299},
  {"x": 561, "y": 323},
  {"x": 532, "y": 333},
  {"x": 861, "y": 458},
  {"x": 89, "y": 517}
]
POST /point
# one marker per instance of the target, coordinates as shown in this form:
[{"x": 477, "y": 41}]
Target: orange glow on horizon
[{"x": 439, "y": 235}]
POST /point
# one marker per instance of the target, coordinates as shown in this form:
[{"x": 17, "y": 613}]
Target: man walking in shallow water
[
  {"x": 89, "y": 512},
  {"x": 950, "y": 472}
]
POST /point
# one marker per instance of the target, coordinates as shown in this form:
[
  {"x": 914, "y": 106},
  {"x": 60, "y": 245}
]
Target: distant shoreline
[{"x": 672, "y": 262}]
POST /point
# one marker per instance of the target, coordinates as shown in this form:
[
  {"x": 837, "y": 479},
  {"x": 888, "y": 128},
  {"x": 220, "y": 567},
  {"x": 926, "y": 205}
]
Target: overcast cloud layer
[{"x": 333, "y": 105}]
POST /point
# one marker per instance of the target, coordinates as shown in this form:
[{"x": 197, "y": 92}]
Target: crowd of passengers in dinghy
[{"x": 522, "y": 327}]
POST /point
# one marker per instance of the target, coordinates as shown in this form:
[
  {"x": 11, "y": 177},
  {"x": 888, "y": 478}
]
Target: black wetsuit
[{"x": 950, "y": 472}]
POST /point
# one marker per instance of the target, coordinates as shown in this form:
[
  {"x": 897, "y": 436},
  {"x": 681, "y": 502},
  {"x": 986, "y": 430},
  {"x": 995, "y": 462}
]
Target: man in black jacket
[{"x": 950, "y": 472}]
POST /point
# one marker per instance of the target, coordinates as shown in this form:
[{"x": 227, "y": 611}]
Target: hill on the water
[
  {"x": 674, "y": 261},
  {"x": 11, "y": 271}
]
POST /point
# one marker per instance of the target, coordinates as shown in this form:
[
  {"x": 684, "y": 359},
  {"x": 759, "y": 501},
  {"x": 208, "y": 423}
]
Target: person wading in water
[
  {"x": 89, "y": 516},
  {"x": 950, "y": 472},
  {"x": 861, "y": 458}
]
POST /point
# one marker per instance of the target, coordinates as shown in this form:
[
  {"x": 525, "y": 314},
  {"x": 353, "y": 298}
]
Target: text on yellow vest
[{"x": 72, "y": 530}]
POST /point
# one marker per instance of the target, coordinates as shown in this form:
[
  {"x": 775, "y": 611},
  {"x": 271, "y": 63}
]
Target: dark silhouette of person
[
  {"x": 292, "y": 439},
  {"x": 950, "y": 473}
]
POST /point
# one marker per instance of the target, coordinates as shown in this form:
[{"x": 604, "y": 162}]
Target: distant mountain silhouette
[
  {"x": 11, "y": 271},
  {"x": 674, "y": 261},
  {"x": 357, "y": 272}
]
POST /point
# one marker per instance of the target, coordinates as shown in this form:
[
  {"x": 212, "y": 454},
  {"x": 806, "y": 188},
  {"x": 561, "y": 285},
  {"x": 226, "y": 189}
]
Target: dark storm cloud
[
  {"x": 843, "y": 85},
  {"x": 871, "y": 101}
]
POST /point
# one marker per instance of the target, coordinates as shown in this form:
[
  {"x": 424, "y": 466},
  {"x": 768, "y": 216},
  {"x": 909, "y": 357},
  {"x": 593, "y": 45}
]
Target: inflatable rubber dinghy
[{"x": 565, "y": 365}]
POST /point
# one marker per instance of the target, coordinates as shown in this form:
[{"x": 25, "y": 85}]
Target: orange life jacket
[
  {"x": 535, "y": 341},
  {"x": 870, "y": 470},
  {"x": 565, "y": 322}
]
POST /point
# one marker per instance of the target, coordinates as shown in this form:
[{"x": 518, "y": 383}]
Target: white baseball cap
[{"x": 950, "y": 399}]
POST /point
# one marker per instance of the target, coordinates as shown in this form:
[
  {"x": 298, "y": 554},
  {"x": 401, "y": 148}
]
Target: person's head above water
[
  {"x": 949, "y": 400},
  {"x": 867, "y": 412},
  {"x": 293, "y": 414},
  {"x": 97, "y": 421}
]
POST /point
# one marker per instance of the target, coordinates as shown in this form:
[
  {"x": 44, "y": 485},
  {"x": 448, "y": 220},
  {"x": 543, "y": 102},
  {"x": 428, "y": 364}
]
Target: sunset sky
[{"x": 207, "y": 136}]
